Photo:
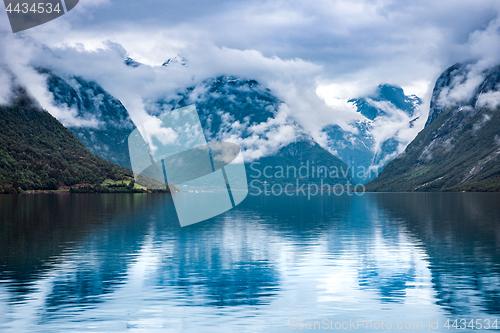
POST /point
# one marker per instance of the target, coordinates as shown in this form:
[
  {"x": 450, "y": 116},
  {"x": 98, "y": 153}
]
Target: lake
[{"x": 121, "y": 263}]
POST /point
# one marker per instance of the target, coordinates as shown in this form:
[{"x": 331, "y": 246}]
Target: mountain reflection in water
[{"x": 120, "y": 262}]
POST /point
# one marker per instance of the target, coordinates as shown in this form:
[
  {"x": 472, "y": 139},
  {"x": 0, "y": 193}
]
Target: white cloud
[
  {"x": 490, "y": 100},
  {"x": 483, "y": 47},
  {"x": 264, "y": 138},
  {"x": 462, "y": 87},
  {"x": 18, "y": 57},
  {"x": 153, "y": 130},
  {"x": 313, "y": 55},
  {"x": 5, "y": 82}
]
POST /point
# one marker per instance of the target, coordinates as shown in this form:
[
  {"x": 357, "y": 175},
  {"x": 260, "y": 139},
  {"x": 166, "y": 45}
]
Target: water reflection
[
  {"x": 84, "y": 238},
  {"x": 122, "y": 260},
  {"x": 461, "y": 234},
  {"x": 214, "y": 265}
]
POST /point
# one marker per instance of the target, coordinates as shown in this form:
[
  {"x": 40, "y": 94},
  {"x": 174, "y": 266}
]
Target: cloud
[
  {"x": 313, "y": 55},
  {"x": 482, "y": 50},
  {"x": 292, "y": 81},
  {"x": 490, "y": 100},
  {"x": 5, "y": 82},
  {"x": 394, "y": 124},
  {"x": 18, "y": 57},
  {"x": 463, "y": 85},
  {"x": 398, "y": 42},
  {"x": 478, "y": 125},
  {"x": 153, "y": 131},
  {"x": 262, "y": 139}
]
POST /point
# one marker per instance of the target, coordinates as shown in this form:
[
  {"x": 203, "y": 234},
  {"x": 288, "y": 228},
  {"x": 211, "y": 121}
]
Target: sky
[{"x": 314, "y": 55}]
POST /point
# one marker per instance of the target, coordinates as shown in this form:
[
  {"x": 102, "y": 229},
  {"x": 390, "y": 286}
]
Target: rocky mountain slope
[
  {"x": 366, "y": 148},
  {"x": 230, "y": 109},
  {"x": 243, "y": 111},
  {"x": 105, "y": 121},
  {"x": 459, "y": 148}
]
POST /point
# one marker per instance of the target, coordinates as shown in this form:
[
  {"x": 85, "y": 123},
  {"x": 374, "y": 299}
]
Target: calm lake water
[{"x": 121, "y": 263}]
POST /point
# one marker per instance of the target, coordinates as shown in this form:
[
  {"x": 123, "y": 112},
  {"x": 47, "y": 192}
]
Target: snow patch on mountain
[{"x": 385, "y": 128}]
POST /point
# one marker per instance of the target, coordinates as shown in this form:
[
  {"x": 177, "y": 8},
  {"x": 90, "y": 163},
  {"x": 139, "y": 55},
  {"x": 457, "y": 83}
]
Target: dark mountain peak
[
  {"x": 231, "y": 84},
  {"x": 386, "y": 93},
  {"x": 453, "y": 81},
  {"x": 131, "y": 62},
  {"x": 225, "y": 101},
  {"x": 396, "y": 96},
  {"x": 452, "y": 76}
]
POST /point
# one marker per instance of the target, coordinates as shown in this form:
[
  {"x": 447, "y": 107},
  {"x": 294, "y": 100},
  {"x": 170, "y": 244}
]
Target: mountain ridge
[
  {"x": 241, "y": 110},
  {"x": 359, "y": 148},
  {"x": 107, "y": 138},
  {"x": 459, "y": 148},
  {"x": 38, "y": 153}
]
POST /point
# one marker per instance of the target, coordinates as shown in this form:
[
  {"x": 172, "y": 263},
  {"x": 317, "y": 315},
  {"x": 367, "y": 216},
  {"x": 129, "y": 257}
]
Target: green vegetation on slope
[{"x": 38, "y": 153}]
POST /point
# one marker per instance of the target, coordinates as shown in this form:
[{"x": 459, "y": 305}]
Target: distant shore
[{"x": 108, "y": 186}]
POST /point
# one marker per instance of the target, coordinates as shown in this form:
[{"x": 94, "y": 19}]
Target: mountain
[
  {"x": 368, "y": 107},
  {"x": 459, "y": 148},
  {"x": 38, "y": 153},
  {"x": 101, "y": 122},
  {"x": 230, "y": 109},
  {"x": 175, "y": 61},
  {"x": 243, "y": 111},
  {"x": 131, "y": 62},
  {"x": 372, "y": 141}
]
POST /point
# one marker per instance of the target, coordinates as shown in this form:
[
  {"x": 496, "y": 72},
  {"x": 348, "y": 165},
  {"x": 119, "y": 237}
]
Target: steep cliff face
[
  {"x": 452, "y": 77},
  {"x": 105, "y": 123},
  {"x": 459, "y": 149}
]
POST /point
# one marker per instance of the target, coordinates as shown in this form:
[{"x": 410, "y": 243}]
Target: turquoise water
[{"x": 121, "y": 263}]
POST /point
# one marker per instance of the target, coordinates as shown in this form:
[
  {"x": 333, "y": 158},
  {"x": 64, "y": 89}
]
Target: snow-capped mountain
[
  {"x": 371, "y": 142},
  {"x": 131, "y": 62},
  {"x": 230, "y": 109},
  {"x": 244, "y": 112},
  {"x": 175, "y": 61}
]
